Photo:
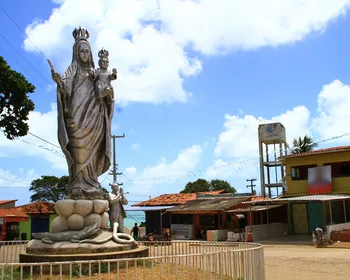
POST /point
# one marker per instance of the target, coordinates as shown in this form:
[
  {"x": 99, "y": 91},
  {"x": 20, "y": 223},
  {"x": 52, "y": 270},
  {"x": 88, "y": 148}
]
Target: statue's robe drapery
[{"x": 84, "y": 132}]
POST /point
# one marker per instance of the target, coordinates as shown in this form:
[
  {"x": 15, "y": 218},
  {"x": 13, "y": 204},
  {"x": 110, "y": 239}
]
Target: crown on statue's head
[
  {"x": 103, "y": 53},
  {"x": 80, "y": 33}
]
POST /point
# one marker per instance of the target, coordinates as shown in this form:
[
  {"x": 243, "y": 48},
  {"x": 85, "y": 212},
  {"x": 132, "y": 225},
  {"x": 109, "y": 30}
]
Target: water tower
[{"x": 272, "y": 145}]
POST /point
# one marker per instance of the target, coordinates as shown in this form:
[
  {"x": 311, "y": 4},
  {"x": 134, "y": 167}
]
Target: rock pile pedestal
[{"x": 77, "y": 214}]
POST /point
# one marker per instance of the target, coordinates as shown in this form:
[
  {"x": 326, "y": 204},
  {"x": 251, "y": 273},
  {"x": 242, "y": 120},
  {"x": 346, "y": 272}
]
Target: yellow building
[
  {"x": 297, "y": 166},
  {"x": 317, "y": 188}
]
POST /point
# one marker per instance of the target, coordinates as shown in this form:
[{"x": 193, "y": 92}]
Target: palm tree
[{"x": 303, "y": 145}]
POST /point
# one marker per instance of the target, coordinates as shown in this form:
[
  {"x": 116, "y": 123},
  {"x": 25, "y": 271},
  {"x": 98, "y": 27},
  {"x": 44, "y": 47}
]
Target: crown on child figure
[
  {"x": 103, "y": 53},
  {"x": 80, "y": 33}
]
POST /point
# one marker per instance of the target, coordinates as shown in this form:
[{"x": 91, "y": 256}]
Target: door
[
  {"x": 315, "y": 211},
  {"x": 40, "y": 224},
  {"x": 300, "y": 220}
]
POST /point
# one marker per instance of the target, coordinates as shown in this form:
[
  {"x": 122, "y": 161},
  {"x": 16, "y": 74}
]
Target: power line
[
  {"x": 22, "y": 69},
  {"x": 229, "y": 166},
  {"x": 42, "y": 139},
  {"x": 179, "y": 176},
  {"x": 22, "y": 32},
  {"x": 15, "y": 181},
  {"x": 8, "y": 42}
]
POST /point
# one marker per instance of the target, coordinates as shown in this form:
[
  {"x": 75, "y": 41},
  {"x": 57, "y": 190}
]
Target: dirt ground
[{"x": 306, "y": 263}]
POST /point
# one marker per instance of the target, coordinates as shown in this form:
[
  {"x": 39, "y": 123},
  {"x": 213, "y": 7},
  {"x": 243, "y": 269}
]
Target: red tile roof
[
  {"x": 7, "y": 201},
  {"x": 173, "y": 199},
  {"x": 40, "y": 207},
  {"x": 320, "y": 151},
  {"x": 257, "y": 198},
  {"x": 6, "y": 212}
]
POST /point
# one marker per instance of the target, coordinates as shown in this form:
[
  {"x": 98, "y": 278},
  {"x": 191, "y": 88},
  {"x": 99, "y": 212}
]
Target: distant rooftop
[
  {"x": 173, "y": 199},
  {"x": 319, "y": 151},
  {"x": 7, "y": 201},
  {"x": 12, "y": 212},
  {"x": 39, "y": 207}
]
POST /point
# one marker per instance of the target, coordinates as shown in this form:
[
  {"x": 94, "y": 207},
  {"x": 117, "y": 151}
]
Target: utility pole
[
  {"x": 115, "y": 172},
  {"x": 251, "y": 186}
]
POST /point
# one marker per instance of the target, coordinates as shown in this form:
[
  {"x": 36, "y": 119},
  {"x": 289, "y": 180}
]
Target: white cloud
[
  {"x": 186, "y": 161},
  {"x": 227, "y": 170},
  {"x": 333, "y": 111},
  {"x": 150, "y": 42},
  {"x": 240, "y": 137},
  {"x": 219, "y": 26},
  {"x": 135, "y": 146},
  {"x": 239, "y": 140},
  {"x": 130, "y": 171},
  {"x": 43, "y": 125},
  {"x": 238, "y": 143},
  {"x": 22, "y": 179}
]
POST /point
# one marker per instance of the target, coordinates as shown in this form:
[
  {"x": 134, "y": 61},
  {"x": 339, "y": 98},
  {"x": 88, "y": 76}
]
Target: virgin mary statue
[{"x": 84, "y": 122}]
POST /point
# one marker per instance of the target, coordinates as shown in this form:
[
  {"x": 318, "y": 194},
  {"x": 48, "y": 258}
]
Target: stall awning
[
  {"x": 210, "y": 205},
  {"x": 302, "y": 199},
  {"x": 255, "y": 208},
  {"x": 148, "y": 208}
]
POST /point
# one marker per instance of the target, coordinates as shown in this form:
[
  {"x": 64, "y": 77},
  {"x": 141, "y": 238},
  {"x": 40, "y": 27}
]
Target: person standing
[{"x": 135, "y": 232}]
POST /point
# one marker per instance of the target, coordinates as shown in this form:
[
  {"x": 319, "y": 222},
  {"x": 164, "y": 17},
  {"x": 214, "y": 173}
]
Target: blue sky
[{"x": 195, "y": 81}]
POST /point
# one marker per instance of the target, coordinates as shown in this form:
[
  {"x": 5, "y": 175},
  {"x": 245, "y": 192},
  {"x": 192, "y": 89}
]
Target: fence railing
[{"x": 167, "y": 260}]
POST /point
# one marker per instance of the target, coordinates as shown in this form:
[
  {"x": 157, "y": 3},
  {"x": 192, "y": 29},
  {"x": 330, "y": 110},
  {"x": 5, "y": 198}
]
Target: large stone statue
[
  {"x": 85, "y": 104},
  {"x": 117, "y": 213},
  {"x": 84, "y": 121}
]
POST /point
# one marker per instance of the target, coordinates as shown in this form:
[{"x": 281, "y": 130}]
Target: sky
[{"x": 195, "y": 80}]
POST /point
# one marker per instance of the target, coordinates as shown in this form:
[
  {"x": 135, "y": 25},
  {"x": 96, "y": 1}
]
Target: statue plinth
[
  {"x": 77, "y": 214},
  {"x": 84, "y": 252}
]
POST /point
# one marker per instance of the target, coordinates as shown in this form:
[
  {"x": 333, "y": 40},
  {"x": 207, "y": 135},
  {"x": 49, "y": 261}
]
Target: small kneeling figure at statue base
[{"x": 117, "y": 201}]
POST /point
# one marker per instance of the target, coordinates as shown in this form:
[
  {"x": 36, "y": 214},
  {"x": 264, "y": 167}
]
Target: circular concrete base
[
  {"x": 37, "y": 247},
  {"x": 139, "y": 252}
]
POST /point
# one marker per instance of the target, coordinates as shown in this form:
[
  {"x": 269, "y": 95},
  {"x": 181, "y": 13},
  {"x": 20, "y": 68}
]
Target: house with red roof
[
  {"x": 10, "y": 219},
  {"x": 40, "y": 215}
]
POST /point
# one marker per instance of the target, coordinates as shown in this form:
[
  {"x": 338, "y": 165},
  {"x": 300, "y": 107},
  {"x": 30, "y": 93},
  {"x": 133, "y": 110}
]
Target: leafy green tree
[
  {"x": 199, "y": 185},
  {"x": 15, "y": 104},
  {"x": 216, "y": 185},
  {"x": 303, "y": 145},
  {"x": 202, "y": 185},
  {"x": 52, "y": 188},
  {"x": 49, "y": 188}
]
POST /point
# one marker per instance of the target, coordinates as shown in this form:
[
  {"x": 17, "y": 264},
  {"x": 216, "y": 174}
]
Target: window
[
  {"x": 301, "y": 172},
  {"x": 340, "y": 169}
]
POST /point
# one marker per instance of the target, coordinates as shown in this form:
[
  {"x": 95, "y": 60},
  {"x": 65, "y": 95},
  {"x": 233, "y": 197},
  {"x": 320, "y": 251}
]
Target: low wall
[
  {"x": 336, "y": 227},
  {"x": 217, "y": 235},
  {"x": 270, "y": 231}
]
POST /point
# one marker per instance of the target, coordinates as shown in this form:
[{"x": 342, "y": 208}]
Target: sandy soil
[{"x": 306, "y": 263}]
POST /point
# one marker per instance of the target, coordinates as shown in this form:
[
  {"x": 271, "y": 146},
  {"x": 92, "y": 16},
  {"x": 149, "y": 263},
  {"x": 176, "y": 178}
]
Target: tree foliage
[
  {"x": 216, "y": 185},
  {"x": 49, "y": 188},
  {"x": 15, "y": 104},
  {"x": 199, "y": 185},
  {"x": 303, "y": 145},
  {"x": 52, "y": 188},
  {"x": 202, "y": 185}
]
